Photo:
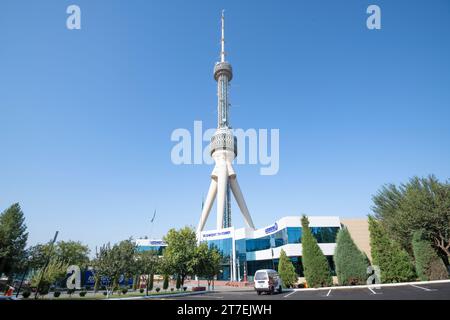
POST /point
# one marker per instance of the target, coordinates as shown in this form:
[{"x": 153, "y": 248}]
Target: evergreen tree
[
  {"x": 315, "y": 264},
  {"x": 166, "y": 282},
  {"x": 150, "y": 285},
  {"x": 286, "y": 270},
  {"x": 13, "y": 239},
  {"x": 429, "y": 265},
  {"x": 350, "y": 262},
  {"x": 394, "y": 262},
  {"x": 178, "y": 285}
]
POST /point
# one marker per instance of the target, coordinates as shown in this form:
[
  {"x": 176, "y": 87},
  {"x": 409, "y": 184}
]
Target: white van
[{"x": 267, "y": 280}]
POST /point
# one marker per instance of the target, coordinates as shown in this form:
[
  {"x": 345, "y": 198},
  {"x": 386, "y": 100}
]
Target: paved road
[{"x": 435, "y": 291}]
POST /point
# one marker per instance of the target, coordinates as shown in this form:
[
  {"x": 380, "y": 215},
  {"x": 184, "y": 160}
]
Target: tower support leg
[
  {"x": 222, "y": 181},
  {"x": 208, "y": 204},
  {"x": 241, "y": 202}
]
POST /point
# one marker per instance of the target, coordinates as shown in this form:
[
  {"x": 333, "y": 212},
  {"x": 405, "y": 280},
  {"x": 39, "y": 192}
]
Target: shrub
[
  {"x": 171, "y": 289},
  {"x": 166, "y": 282},
  {"x": 105, "y": 293},
  {"x": 56, "y": 294},
  {"x": 83, "y": 293},
  {"x": 158, "y": 289},
  {"x": 124, "y": 291},
  {"x": 393, "y": 261},
  {"x": 141, "y": 290},
  {"x": 350, "y": 262},
  {"x": 26, "y": 294},
  {"x": 429, "y": 266},
  {"x": 184, "y": 288},
  {"x": 315, "y": 264},
  {"x": 286, "y": 270}
]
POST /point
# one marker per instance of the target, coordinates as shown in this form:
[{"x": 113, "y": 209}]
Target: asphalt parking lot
[{"x": 428, "y": 291}]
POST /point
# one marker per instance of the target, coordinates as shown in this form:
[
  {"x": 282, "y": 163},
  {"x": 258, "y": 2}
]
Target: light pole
[
  {"x": 46, "y": 265},
  {"x": 24, "y": 275}
]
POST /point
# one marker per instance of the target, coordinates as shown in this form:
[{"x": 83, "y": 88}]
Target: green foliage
[
  {"x": 112, "y": 262},
  {"x": 26, "y": 294},
  {"x": 82, "y": 293},
  {"x": 428, "y": 264},
  {"x": 315, "y": 264},
  {"x": 158, "y": 289},
  {"x": 70, "y": 252},
  {"x": 180, "y": 251},
  {"x": 286, "y": 270},
  {"x": 56, "y": 270},
  {"x": 350, "y": 262},
  {"x": 205, "y": 262},
  {"x": 394, "y": 262},
  {"x": 178, "y": 285},
  {"x": 56, "y": 294},
  {"x": 166, "y": 282},
  {"x": 13, "y": 239},
  {"x": 420, "y": 204}
]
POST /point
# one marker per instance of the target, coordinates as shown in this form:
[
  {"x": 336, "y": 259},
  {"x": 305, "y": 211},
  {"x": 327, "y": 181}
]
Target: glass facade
[
  {"x": 225, "y": 247},
  {"x": 246, "y": 249},
  {"x": 291, "y": 235},
  {"x": 158, "y": 249}
]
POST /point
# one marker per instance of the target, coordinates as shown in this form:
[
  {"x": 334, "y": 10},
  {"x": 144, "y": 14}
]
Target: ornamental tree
[{"x": 315, "y": 264}]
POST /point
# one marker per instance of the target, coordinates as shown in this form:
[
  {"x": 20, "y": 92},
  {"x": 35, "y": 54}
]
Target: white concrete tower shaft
[{"x": 223, "y": 150}]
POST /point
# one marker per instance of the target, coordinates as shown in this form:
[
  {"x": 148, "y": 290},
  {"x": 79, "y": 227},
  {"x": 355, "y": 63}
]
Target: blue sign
[{"x": 271, "y": 228}]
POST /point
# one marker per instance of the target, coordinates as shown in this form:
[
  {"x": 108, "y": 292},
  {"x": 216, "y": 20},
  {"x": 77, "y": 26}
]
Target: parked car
[{"x": 267, "y": 280}]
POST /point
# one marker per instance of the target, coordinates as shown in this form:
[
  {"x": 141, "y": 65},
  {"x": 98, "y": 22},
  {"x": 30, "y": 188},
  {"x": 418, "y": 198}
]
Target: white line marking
[
  {"x": 289, "y": 294},
  {"x": 328, "y": 293},
  {"x": 426, "y": 289},
  {"x": 372, "y": 290}
]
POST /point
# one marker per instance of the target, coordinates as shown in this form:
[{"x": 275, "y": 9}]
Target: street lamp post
[
  {"x": 24, "y": 275},
  {"x": 46, "y": 265}
]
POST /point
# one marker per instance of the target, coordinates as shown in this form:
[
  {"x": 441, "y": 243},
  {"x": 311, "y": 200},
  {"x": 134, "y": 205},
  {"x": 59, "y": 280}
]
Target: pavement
[{"x": 408, "y": 291}]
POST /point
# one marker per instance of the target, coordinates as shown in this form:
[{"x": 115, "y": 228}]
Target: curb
[{"x": 162, "y": 295}]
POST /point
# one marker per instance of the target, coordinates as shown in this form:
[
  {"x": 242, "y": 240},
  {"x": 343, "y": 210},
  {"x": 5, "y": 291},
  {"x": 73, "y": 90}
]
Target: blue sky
[{"x": 86, "y": 115}]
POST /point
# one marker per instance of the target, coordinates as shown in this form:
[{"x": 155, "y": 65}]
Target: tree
[
  {"x": 148, "y": 264},
  {"x": 104, "y": 266},
  {"x": 206, "y": 262},
  {"x": 180, "y": 251},
  {"x": 56, "y": 270},
  {"x": 286, "y": 270},
  {"x": 420, "y": 204},
  {"x": 113, "y": 262},
  {"x": 428, "y": 264},
  {"x": 166, "y": 282},
  {"x": 315, "y": 264},
  {"x": 394, "y": 262},
  {"x": 73, "y": 253},
  {"x": 13, "y": 239},
  {"x": 350, "y": 262}
]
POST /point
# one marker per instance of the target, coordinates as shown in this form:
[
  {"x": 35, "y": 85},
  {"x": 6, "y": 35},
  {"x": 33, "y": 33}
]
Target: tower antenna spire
[{"x": 222, "y": 53}]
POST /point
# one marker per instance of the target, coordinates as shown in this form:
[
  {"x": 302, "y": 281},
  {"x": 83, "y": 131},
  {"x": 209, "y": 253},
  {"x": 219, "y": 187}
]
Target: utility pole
[{"x": 46, "y": 264}]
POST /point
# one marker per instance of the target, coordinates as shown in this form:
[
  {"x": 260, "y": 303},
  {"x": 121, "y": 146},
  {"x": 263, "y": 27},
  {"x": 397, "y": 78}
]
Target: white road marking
[
  {"x": 426, "y": 289},
  {"x": 289, "y": 294},
  {"x": 328, "y": 293},
  {"x": 371, "y": 290}
]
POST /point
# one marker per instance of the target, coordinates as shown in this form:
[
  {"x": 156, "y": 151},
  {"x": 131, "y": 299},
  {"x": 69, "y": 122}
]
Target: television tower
[{"x": 223, "y": 151}]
